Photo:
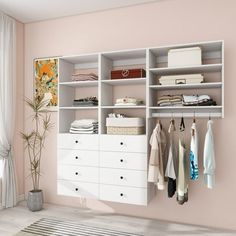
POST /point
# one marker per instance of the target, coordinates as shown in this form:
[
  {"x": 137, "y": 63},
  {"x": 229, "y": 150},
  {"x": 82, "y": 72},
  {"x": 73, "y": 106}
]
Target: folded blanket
[
  {"x": 82, "y": 129},
  {"x": 170, "y": 100},
  {"x": 195, "y": 98},
  {"x": 83, "y": 132},
  {"x": 88, "y": 103},
  {"x": 127, "y": 104},
  {"x": 210, "y": 102},
  {"x": 84, "y": 77},
  {"x": 129, "y": 100}
]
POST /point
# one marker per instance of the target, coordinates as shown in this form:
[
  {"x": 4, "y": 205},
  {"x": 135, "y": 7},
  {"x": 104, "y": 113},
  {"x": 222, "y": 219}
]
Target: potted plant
[{"x": 34, "y": 144}]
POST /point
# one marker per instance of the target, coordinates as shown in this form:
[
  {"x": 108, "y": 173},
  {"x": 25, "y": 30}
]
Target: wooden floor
[{"x": 15, "y": 219}]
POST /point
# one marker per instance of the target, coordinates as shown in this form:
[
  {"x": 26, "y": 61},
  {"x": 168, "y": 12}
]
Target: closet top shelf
[
  {"x": 187, "y": 86},
  {"x": 187, "y": 69}
]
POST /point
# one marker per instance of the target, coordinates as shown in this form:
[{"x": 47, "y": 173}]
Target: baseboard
[{"x": 20, "y": 198}]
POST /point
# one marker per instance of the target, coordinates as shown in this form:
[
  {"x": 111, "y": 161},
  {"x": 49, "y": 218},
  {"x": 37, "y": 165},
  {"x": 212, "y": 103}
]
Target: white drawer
[
  {"x": 75, "y": 141},
  {"x": 78, "y": 157},
  {"x": 77, "y": 189},
  {"x": 132, "y": 178},
  {"x": 124, "y": 160},
  {"x": 78, "y": 173},
  {"x": 129, "y": 195},
  {"x": 124, "y": 143}
]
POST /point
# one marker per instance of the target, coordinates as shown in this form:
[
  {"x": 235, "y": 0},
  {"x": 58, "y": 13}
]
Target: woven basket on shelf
[{"x": 125, "y": 130}]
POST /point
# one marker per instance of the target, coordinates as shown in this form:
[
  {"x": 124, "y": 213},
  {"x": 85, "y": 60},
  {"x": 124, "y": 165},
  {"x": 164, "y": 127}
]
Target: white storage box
[
  {"x": 181, "y": 79},
  {"x": 185, "y": 57},
  {"x": 126, "y": 126}
]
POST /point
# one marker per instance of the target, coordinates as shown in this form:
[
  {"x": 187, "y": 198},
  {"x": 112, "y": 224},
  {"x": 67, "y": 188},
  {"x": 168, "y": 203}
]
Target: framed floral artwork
[{"x": 46, "y": 81}]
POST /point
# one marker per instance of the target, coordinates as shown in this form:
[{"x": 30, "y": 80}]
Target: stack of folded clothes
[
  {"x": 170, "y": 100},
  {"x": 86, "y": 102},
  {"x": 128, "y": 101},
  {"x": 84, "y": 77},
  {"x": 84, "y": 126},
  {"x": 198, "y": 100}
]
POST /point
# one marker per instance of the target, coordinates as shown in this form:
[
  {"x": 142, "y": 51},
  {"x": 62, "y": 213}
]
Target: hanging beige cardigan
[{"x": 156, "y": 169}]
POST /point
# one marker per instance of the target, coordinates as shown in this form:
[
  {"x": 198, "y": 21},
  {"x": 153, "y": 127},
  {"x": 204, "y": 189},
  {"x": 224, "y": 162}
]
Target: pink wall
[
  {"x": 19, "y": 126},
  {"x": 154, "y": 24}
]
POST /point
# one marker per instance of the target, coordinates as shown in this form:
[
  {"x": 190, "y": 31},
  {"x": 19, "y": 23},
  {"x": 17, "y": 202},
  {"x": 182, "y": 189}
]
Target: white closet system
[{"x": 114, "y": 167}]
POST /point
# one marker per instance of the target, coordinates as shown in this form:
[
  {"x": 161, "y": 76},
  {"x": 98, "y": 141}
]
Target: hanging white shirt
[
  {"x": 156, "y": 169},
  {"x": 209, "y": 157}
]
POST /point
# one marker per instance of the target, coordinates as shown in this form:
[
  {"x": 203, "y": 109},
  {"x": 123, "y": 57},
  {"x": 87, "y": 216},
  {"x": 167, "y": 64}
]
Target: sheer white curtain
[{"x": 7, "y": 108}]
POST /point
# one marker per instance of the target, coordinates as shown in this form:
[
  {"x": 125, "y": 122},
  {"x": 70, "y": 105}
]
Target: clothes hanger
[
  {"x": 194, "y": 117},
  {"x": 159, "y": 122},
  {"x": 182, "y": 124},
  {"x": 209, "y": 118}
]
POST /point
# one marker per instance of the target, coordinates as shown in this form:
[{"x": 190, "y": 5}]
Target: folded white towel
[{"x": 84, "y": 122}]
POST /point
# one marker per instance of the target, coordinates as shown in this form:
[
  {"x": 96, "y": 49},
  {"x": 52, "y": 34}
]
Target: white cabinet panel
[
  {"x": 124, "y": 160},
  {"x": 121, "y": 194},
  {"x": 77, "y": 189},
  {"x": 133, "y": 178},
  {"x": 81, "y": 142},
  {"x": 78, "y": 173},
  {"x": 124, "y": 143},
  {"x": 78, "y": 157}
]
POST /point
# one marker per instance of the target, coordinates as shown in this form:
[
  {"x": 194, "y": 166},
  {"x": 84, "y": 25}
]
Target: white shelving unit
[
  {"x": 115, "y": 158},
  {"x": 212, "y": 68}
]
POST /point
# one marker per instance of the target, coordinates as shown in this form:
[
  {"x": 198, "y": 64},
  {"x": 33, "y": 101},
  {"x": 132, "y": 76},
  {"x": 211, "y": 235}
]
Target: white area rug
[{"x": 54, "y": 227}]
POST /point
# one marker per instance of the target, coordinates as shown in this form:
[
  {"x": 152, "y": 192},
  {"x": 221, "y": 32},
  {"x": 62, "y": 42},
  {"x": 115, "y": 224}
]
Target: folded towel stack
[
  {"x": 128, "y": 101},
  {"x": 198, "y": 100},
  {"x": 170, "y": 100},
  {"x": 84, "y": 126},
  {"x": 84, "y": 102},
  {"x": 84, "y": 77}
]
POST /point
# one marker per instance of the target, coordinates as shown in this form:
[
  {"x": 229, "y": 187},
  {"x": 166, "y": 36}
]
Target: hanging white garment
[
  {"x": 193, "y": 155},
  {"x": 156, "y": 169},
  {"x": 7, "y": 108},
  {"x": 209, "y": 157},
  {"x": 182, "y": 186}
]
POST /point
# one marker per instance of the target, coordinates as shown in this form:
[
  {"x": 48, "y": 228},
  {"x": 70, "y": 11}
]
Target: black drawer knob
[
  {"x": 76, "y": 189},
  {"x": 121, "y": 194},
  {"x": 121, "y": 160},
  {"x": 121, "y": 143},
  {"x": 76, "y": 173},
  {"x": 121, "y": 177},
  {"x": 76, "y": 157},
  {"x": 76, "y": 141}
]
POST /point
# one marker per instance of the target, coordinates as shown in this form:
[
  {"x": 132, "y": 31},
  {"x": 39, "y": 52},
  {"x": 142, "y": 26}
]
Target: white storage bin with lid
[
  {"x": 181, "y": 79},
  {"x": 185, "y": 57}
]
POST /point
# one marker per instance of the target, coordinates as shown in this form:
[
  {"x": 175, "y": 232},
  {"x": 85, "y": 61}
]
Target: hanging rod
[{"x": 186, "y": 115}]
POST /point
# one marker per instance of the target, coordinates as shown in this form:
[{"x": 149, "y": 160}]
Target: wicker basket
[{"x": 125, "y": 130}]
